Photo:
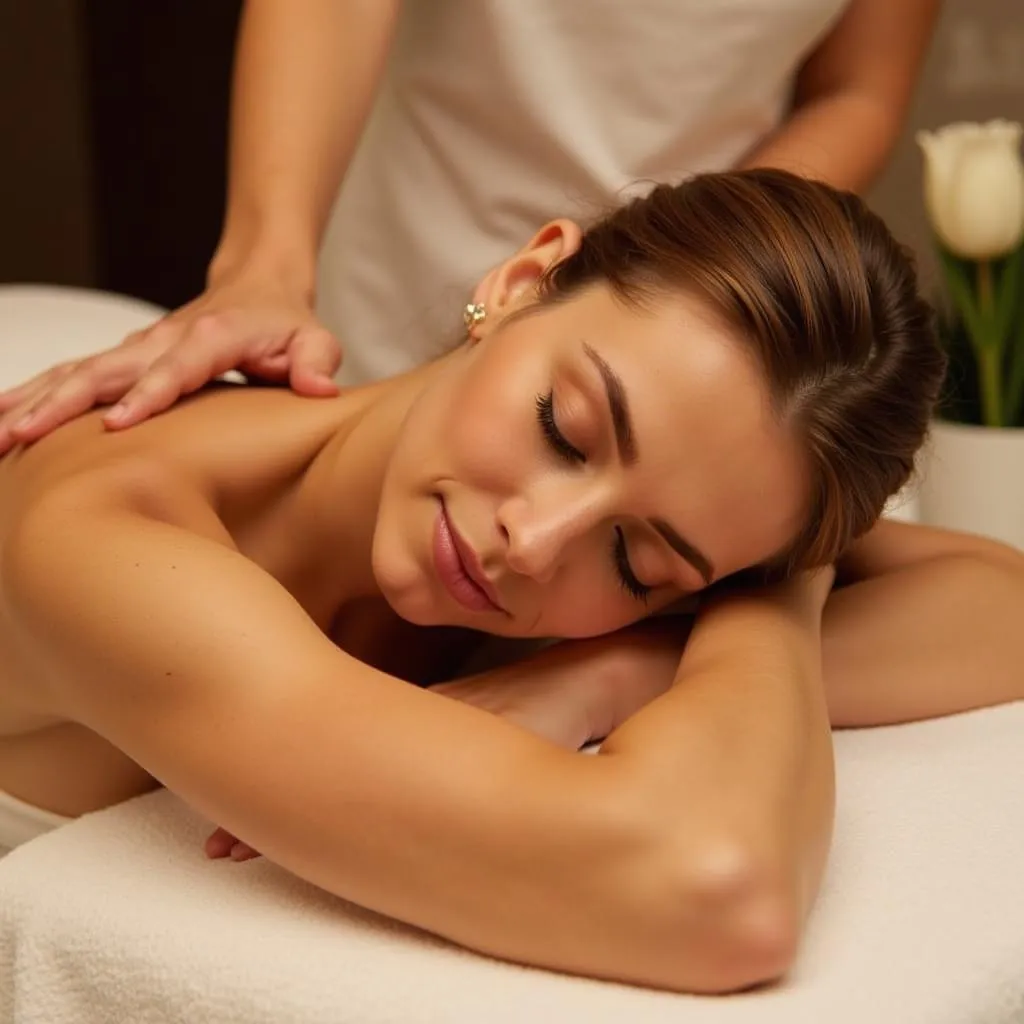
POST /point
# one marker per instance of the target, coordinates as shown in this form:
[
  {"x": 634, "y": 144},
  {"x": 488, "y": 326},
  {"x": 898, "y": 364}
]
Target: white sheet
[{"x": 118, "y": 917}]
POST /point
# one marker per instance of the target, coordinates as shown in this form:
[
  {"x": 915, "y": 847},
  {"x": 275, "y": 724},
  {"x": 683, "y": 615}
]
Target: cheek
[
  {"x": 584, "y": 601},
  {"x": 486, "y": 425}
]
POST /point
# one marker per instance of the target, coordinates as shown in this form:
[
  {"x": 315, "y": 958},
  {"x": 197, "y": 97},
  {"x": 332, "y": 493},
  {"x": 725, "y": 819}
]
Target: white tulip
[{"x": 974, "y": 187}]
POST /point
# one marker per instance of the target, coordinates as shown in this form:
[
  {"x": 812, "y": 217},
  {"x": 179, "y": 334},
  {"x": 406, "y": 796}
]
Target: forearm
[
  {"x": 843, "y": 138},
  {"x": 740, "y": 751},
  {"x": 934, "y": 638},
  {"x": 927, "y": 623},
  {"x": 305, "y": 77},
  {"x": 733, "y": 762},
  {"x": 852, "y": 94}
]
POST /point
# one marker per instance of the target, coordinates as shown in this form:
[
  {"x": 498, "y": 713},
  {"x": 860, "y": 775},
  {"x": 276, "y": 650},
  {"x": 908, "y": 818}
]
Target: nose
[{"x": 539, "y": 527}]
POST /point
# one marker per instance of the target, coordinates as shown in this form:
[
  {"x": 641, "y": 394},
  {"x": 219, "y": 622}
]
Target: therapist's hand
[{"x": 249, "y": 324}]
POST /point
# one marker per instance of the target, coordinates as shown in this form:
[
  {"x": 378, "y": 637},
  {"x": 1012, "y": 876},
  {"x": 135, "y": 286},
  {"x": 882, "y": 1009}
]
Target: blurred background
[{"x": 113, "y": 115}]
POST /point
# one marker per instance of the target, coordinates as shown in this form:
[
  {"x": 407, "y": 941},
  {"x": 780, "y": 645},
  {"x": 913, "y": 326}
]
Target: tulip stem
[
  {"x": 991, "y": 404},
  {"x": 989, "y": 349}
]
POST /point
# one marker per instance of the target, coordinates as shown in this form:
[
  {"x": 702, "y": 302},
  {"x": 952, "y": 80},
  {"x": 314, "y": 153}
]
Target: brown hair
[{"x": 829, "y": 305}]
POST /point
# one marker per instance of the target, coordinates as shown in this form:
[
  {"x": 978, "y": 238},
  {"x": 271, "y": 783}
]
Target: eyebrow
[
  {"x": 684, "y": 548},
  {"x": 625, "y": 441}
]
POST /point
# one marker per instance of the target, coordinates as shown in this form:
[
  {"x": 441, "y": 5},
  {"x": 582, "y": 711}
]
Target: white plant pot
[{"x": 974, "y": 480}]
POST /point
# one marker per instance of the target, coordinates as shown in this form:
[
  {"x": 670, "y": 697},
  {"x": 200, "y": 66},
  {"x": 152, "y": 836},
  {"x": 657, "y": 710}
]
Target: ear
[{"x": 513, "y": 284}]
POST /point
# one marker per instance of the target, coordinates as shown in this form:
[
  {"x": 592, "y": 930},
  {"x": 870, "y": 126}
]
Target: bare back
[{"x": 225, "y": 464}]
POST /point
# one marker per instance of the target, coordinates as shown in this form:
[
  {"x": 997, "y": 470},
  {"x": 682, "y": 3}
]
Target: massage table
[{"x": 119, "y": 917}]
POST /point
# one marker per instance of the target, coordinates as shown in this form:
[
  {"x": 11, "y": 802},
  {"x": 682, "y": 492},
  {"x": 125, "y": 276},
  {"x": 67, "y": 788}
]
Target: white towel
[
  {"x": 20, "y": 822},
  {"x": 118, "y": 917}
]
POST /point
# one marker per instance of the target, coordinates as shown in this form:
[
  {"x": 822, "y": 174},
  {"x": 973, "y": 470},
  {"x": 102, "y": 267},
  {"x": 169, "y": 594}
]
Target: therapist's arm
[
  {"x": 305, "y": 75},
  {"x": 852, "y": 94}
]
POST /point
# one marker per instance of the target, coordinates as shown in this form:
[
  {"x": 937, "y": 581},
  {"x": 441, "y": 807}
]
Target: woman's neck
[{"x": 340, "y": 492}]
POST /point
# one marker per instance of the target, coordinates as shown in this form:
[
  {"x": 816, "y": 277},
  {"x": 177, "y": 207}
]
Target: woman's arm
[
  {"x": 926, "y": 622},
  {"x": 930, "y": 624},
  {"x": 852, "y": 94},
  {"x": 670, "y": 860}
]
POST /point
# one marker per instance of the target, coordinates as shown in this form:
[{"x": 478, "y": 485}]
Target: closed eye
[
  {"x": 567, "y": 451},
  {"x": 549, "y": 428},
  {"x": 627, "y": 578}
]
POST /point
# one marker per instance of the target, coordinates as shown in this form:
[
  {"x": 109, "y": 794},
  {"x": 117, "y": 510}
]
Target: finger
[
  {"x": 30, "y": 394},
  {"x": 316, "y": 356},
  {"x": 242, "y": 851},
  {"x": 136, "y": 336},
  {"x": 18, "y": 424},
  {"x": 91, "y": 384},
  {"x": 17, "y": 396},
  {"x": 275, "y": 367},
  {"x": 158, "y": 389},
  {"x": 219, "y": 844},
  {"x": 205, "y": 352}
]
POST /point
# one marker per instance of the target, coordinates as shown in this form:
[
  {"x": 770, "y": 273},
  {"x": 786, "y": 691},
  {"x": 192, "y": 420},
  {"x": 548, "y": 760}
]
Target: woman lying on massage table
[{"x": 733, "y": 374}]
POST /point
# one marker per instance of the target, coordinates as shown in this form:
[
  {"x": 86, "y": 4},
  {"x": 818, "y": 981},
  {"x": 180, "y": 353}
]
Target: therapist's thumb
[{"x": 315, "y": 358}]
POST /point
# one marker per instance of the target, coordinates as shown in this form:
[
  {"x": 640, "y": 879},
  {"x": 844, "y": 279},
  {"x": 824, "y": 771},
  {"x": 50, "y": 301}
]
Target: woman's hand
[
  {"x": 222, "y": 843},
  {"x": 245, "y": 322}
]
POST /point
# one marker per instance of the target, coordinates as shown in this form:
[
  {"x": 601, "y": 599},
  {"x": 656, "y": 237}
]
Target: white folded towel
[
  {"x": 20, "y": 822},
  {"x": 119, "y": 917}
]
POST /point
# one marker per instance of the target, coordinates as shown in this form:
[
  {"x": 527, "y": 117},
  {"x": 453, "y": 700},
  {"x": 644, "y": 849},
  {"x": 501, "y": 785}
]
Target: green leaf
[
  {"x": 962, "y": 294},
  {"x": 1008, "y": 292},
  {"x": 1014, "y": 400}
]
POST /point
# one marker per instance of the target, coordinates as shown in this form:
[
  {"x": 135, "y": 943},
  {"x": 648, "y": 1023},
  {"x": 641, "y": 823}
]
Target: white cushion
[{"x": 44, "y": 324}]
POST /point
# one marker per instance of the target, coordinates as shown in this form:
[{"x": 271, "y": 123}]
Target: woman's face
[{"x": 577, "y": 468}]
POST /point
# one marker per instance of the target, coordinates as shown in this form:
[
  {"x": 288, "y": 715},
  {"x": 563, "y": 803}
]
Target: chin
[
  {"x": 416, "y": 609},
  {"x": 404, "y": 587}
]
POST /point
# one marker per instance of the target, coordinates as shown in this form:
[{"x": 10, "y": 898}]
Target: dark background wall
[
  {"x": 46, "y": 222},
  {"x": 113, "y": 122},
  {"x": 113, "y": 115}
]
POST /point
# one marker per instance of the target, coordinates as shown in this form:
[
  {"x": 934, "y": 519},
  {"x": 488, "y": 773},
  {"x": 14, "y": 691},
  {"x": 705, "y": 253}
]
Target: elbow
[
  {"x": 726, "y": 922},
  {"x": 748, "y": 916}
]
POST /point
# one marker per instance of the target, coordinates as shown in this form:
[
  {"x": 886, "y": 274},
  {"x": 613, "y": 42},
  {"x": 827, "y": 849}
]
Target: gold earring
[{"x": 473, "y": 314}]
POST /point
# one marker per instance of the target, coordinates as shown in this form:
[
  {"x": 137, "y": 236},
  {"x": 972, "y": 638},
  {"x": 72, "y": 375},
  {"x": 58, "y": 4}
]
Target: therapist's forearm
[
  {"x": 843, "y": 138},
  {"x": 305, "y": 76}
]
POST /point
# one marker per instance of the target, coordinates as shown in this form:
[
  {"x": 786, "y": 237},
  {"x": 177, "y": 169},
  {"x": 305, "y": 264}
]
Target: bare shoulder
[{"x": 224, "y": 438}]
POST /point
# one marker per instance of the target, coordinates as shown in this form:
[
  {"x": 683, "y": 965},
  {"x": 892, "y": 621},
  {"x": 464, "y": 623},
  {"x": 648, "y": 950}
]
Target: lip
[{"x": 459, "y": 569}]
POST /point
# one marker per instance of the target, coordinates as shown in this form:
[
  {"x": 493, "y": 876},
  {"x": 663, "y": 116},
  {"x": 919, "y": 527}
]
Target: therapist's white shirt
[{"x": 495, "y": 116}]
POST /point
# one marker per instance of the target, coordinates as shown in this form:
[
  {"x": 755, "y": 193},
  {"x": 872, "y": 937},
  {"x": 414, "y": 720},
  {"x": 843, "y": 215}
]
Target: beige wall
[{"x": 975, "y": 72}]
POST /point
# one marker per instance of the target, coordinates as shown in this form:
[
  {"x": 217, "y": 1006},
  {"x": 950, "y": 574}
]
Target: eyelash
[
  {"x": 555, "y": 438},
  {"x": 569, "y": 453}
]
